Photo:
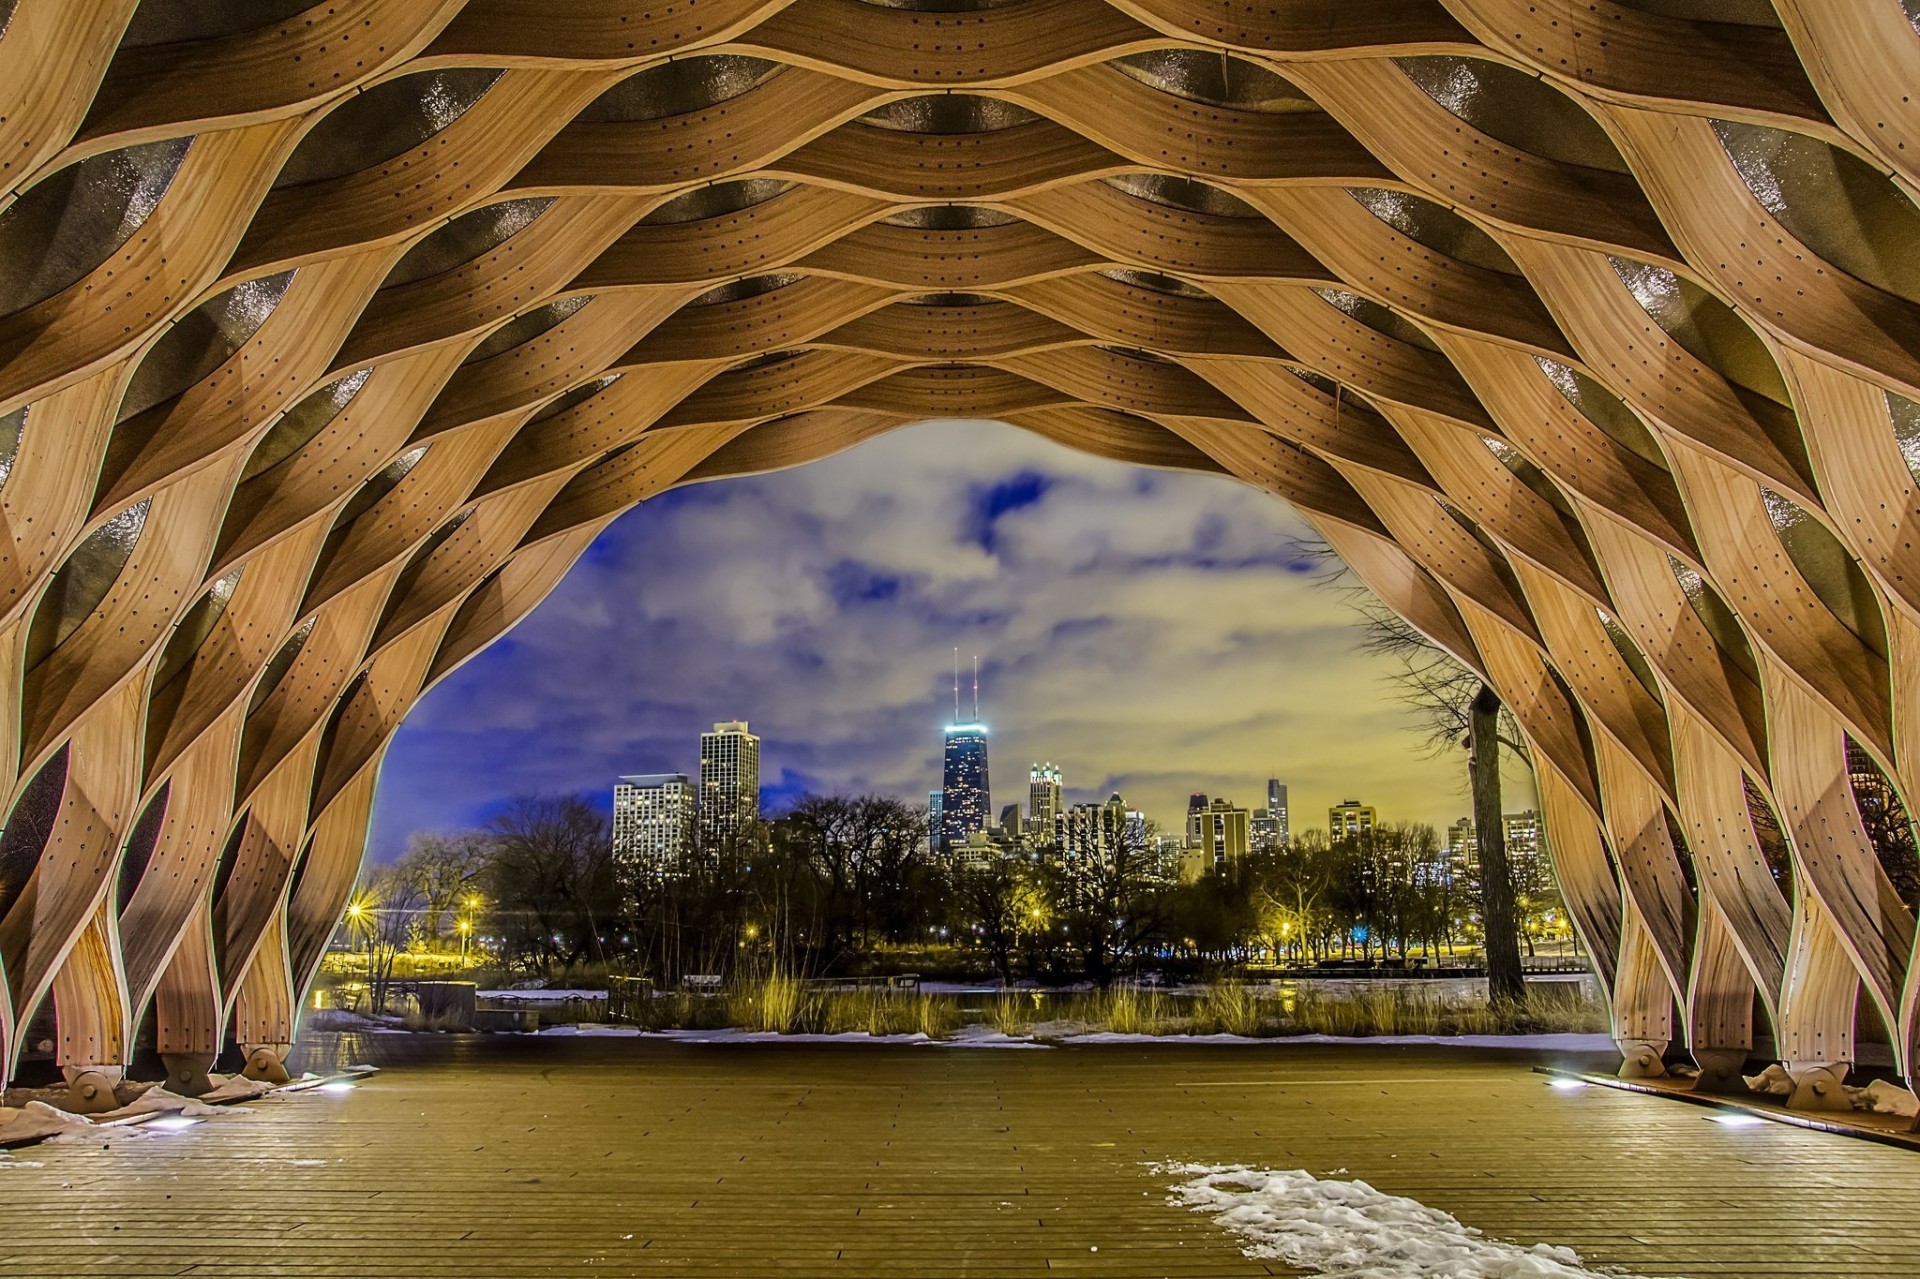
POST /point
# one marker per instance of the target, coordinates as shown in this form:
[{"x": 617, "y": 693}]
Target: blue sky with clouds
[{"x": 1150, "y": 632}]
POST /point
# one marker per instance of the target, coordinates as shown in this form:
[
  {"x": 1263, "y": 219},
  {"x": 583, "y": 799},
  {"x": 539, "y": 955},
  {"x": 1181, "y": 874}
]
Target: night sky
[{"x": 1150, "y": 632}]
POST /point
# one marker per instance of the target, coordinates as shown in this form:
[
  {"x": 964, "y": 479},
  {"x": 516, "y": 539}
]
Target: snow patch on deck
[{"x": 1349, "y": 1230}]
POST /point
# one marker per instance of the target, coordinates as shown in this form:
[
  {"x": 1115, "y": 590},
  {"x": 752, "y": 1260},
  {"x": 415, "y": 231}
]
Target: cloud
[{"x": 1148, "y": 631}]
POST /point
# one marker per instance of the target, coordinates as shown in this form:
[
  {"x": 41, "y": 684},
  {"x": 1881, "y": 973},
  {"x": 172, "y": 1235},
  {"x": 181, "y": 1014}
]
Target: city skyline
[{"x": 1151, "y": 632}]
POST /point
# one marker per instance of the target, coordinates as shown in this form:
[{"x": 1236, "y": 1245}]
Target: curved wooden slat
[{"x": 1488, "y": 297}]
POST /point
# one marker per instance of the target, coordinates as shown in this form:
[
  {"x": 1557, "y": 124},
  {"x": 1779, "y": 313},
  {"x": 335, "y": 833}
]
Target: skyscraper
[
  {"x": 965, "y": 799},
  {"x": 1277, "y": 810},
  {"x": 1270, "y": 828},
  {"x": 653, "y": 816},
  {"x": 1043, "y": 801},
  {"x": 1096, "y": 833},
  {"x": 729, "y": 782},
  {"x": 1196, "y": 805},
  {"x": 935, "y": 834}
]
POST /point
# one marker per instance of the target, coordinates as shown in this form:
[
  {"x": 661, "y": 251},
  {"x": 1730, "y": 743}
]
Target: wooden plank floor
[{"x": 491, "y": 1156}]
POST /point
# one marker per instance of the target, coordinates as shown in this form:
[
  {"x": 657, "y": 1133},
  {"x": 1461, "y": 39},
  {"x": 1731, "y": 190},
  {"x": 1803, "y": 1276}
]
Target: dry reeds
[{"x": 784, "y": 1004}]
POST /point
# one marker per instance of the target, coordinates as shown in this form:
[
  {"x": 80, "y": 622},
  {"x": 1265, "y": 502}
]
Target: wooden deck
[{"x": 491, "y": 1156}]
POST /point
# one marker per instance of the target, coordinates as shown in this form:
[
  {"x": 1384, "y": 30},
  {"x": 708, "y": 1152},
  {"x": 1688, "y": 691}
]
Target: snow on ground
[
  {"x": 342, "y": 1019},
  {"x": 1532, "y": 1043},
  {"x": 738, "y": 1036},
  {"x": 1349, "y": 1230},
  {"x": 540, "y": 996},
  {"x": 986, "y": 1037},
  {"x": 733, "y": 1035},
  {"x": 1051, "y": 1034}
]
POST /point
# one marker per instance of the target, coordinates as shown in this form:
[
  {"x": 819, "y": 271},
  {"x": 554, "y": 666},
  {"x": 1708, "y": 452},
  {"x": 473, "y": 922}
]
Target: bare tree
[
  {"x": 890, "y": 839},
  {"x": 1458, "y": 709},
  {"x": 445, "y": 868},
  {"x": 1114, "y": 897},
  {"x": 552, "y": 875},
  {"x": 386, "y": 911},
  {"x": 988, "y": 899}
]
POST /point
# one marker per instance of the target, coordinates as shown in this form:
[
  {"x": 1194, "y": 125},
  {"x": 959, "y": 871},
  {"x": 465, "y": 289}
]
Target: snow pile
[
  {"x": 986, "y": 1037},
  {"x": 37, "y": 1121},
  {"x": 158, "y": 1101},
  {"x": 1883, "y": 1098},
  {"x": 1879, "y": 1096},
  {"x": 1349, "y": 1230},
  {"x": 239, "y": 1088}
]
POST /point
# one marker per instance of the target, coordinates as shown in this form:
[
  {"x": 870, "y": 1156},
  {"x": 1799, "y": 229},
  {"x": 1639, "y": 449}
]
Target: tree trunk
[{"x": 1505, "y": 984}]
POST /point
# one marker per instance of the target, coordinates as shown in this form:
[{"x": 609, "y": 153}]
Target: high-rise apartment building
[
  {"x": 653, "y": 821},
  {"x": 1044, "y": 801},
  {"x": 1349, "y": 819},
  {"x": 1527, "y": 860},
  {"x": 1526, "y": 852},
  {"x": 966, "y": 800},
  {"x": 1264, "y": 831},
  {"x": 1215, "y": 835},
  {"x": 933, "y": 821},
  {"x": 729, "y": 782},
  {"x": 1090, "y": 833},
  {"x": 1463, "y": 845}
]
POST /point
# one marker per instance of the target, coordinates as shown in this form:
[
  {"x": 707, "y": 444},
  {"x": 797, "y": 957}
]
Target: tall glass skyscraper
[
  {"x": 1277, "y": 811},
  {"x": 966, "y": 803}
]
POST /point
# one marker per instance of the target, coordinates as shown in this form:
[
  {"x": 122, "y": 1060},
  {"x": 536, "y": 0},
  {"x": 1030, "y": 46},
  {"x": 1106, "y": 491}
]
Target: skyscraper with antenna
[{"x": 966, "y": 799}]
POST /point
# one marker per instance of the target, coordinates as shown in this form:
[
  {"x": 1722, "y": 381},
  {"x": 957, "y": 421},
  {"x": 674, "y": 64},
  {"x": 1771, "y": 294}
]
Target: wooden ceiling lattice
[{"x": 1588, "y": 334}]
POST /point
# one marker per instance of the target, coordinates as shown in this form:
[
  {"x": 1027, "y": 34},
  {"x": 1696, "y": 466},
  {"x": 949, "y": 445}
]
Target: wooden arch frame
[{"x": 1588, "y": 338}]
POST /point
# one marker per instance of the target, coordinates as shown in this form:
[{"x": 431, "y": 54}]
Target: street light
[{"x": 466, "y": 930}]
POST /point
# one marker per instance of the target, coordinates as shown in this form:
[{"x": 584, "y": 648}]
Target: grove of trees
[{"x": 841, "y": 885}]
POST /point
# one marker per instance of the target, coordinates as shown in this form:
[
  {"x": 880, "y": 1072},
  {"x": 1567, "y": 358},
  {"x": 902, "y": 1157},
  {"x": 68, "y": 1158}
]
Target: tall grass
[
  {"x": 783, "y": 1004},
  {"x": 1012, "y": 1014},
  {"x": 1230, "y": 1008},
  {"x": 772, "y": 1005}
]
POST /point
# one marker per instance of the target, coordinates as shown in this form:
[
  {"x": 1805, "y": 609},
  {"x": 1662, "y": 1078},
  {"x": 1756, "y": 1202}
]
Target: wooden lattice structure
[{"x": 1587, "y": 333}]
